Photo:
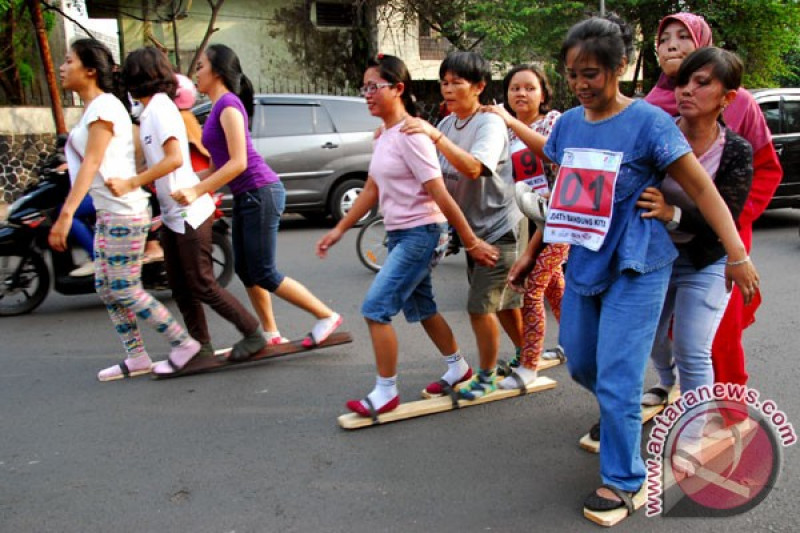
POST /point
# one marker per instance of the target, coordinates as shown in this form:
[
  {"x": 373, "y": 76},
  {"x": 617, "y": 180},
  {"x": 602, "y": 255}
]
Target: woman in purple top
[{"x": 258, "y": 194}]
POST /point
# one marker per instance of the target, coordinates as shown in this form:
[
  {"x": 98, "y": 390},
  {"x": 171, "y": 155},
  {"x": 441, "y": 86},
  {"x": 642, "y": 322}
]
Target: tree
[
  {"x": 762, "y": 32},
  {"x": 17, "y": 49}
]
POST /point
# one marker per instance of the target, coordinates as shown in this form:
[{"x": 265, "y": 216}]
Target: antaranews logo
[{"x": 716, "y": 451}]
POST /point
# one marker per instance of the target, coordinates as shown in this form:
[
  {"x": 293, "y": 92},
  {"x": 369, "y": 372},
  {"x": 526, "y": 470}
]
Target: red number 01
[{"x": 572, "y": 187}]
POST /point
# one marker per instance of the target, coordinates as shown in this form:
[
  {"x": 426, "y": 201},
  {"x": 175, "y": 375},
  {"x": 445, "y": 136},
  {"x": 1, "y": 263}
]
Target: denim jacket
[{"x": 649, "y": 141}]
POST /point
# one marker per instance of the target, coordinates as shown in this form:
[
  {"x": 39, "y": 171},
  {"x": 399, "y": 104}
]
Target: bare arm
[
  {"x": 483, "y": 252},
  {"x": 534, "y": 141},
  {"x": 173, "y": 159},
  {"x": 365, "y": 201},
  {"x": 100, "y": 134},
  {"x": 236, "y": 139},
  {"x": 463, "y": 161},
  {"x": 692, "y": 177}
]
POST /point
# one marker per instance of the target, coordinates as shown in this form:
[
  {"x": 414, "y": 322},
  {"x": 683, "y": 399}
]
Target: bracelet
[
  {"x": 439, "y": 138},
  {"x": 477, "y": 243},
  {"x": 739, "y": 262}
]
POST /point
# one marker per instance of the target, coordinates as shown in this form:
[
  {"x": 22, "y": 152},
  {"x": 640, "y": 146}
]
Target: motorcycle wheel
[
  {"x": 222, "y": 258},
  {"x": 24, "y": 282}
]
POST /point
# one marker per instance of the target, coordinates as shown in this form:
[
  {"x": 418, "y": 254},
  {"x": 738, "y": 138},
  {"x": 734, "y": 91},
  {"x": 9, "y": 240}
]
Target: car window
[
  {"x": 351, "y": 116},
  {"x": 791, "y": 116},
  {"x": 772, "y": 113},
  {"x": 281, "y": 120}
]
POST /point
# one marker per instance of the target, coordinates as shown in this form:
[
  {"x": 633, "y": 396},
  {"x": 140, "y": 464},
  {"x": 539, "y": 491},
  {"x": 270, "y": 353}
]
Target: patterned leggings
[
  {"x": 119, "y": 244},
  {"x": 546, "y": 280}
]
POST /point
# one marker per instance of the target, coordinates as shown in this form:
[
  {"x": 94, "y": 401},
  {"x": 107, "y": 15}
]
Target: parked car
[
  {"x": 319, "y": 145},
  {"x": 781, "y": 108}
]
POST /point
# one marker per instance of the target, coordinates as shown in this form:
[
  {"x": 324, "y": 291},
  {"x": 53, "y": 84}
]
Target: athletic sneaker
[
  {"x": 86, "y": 269},
  {"x": 481, "y": 384}
]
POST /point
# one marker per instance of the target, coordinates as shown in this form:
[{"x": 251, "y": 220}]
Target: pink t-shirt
[{"x": 400, "y": 165}]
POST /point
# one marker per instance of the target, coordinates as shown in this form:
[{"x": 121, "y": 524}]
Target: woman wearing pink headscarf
[{"x": 679, "y": 35}]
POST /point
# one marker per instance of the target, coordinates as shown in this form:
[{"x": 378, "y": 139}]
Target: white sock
[
  {"x": 269, "y": 335},
  {"x": 385, "y": 390},
  {"x": 528, "y": 376},
  {"x": 456, "y": 368},
  {"x": 321, "y": 329}
]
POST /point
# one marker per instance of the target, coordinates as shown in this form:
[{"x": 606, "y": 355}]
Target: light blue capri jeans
[
  {"x": 608, "y": 338},
  {"x": 404, "y": 280}
]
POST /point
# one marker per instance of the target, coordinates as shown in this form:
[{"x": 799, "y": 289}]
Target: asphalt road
[{"x": 257, "y": 448}]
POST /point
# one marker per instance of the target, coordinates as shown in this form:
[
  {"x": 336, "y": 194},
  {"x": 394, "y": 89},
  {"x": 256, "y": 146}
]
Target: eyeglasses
[{"x": 372, "y": 88}]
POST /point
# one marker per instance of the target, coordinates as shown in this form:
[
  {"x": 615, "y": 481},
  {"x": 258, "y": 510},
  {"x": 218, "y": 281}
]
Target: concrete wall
[{"x": 249, "y": 27}]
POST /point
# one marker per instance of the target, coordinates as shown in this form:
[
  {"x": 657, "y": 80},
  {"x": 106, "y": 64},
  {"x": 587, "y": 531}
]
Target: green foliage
[
  {"x": 18, "y": 50},
  {"x": 762, "y": 32}
]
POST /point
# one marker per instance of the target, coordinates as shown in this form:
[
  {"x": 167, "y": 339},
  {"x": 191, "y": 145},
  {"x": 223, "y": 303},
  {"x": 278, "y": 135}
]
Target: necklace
[
  {"x": 464, "y": 125},
  {"x": 709, "y": 143}
]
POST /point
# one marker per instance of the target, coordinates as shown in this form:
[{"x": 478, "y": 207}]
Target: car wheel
[{"x": 343, "y": 198}]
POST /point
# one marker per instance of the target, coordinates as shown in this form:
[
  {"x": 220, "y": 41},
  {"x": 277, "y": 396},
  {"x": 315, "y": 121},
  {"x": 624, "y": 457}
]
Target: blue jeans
[
  {"x": 695, "y": 302},
  {"x": 404, "y": 280},
  {"x": 608, "y": 338},
  {"x": 255, "y": 220}
]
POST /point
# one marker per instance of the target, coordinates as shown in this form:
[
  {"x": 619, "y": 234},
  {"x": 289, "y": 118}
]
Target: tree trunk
[
  {"x": 176, "y": 43},
  {"x": 9, "y": 72},
  {"x": 215, "y": 7},
  {"x": 47, "y": 60}
]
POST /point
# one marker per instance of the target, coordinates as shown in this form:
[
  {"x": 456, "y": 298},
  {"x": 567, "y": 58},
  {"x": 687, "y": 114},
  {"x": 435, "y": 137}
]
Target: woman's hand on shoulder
[
  {"x": 500, "y": 111},
  {"x": 414, "y": 125},
  {"x": 655, "y": 206}
]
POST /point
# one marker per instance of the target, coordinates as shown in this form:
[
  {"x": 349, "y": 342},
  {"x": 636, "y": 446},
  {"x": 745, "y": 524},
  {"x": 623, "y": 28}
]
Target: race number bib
[
  {"x": 530, "y": 169},
  {"x": 583, "y": 198}
]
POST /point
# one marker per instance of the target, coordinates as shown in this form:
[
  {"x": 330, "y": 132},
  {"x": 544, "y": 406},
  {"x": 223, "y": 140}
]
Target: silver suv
[{"x": 319, "y": 145}]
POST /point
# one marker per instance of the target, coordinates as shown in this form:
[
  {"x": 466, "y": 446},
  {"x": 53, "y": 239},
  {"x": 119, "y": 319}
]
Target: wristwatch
[{"x": 673, "y": 224}]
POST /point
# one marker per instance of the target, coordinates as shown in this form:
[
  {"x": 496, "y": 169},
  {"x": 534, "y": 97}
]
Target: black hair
[
  {"x": 147, "y": 71},
  {"x": 225, "y": 64},
  {"x": 468, "y": 65},
  {"x": 394, "y": 70},
  {"x": 95, "y": 55},
  {"x": 725, "y": 67},
  {"x": 608, "y": 39},
  {"x": 544, "y": 83}
]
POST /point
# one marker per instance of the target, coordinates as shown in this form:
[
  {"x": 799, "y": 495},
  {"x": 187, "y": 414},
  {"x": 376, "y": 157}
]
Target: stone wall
[
  {"x": 27, "y": 136},
  {"x": 20, "y": 157}
]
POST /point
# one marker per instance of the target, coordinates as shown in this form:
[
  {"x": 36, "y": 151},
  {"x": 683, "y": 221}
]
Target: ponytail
[
  {"x": 394, "y": 70},
  {"x": 225, "y": 63},
  {"x": 95, "y": 55}
]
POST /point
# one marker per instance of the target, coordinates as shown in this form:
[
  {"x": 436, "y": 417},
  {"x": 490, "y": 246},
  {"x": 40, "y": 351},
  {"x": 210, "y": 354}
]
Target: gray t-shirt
[{"x": 487, "y": 202}]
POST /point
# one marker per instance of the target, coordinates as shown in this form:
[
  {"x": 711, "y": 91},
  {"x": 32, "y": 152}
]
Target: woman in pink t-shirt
[{"x": 406, "y": 179}]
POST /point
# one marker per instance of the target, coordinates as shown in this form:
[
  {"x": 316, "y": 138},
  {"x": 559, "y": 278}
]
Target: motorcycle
[{"x": 24, "y": 272}]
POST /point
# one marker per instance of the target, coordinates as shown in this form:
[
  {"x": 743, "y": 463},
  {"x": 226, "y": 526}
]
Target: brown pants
[{"x": 190, "y": 272}]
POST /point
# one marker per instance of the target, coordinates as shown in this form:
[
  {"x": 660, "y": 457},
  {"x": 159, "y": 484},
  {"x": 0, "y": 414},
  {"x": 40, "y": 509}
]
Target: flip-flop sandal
[
  {"x": 126, "y": 372},
  {"x": 658, "y": 392},
  {"x": 594, "y": 432},
  {"x": 597, "y": 503}
]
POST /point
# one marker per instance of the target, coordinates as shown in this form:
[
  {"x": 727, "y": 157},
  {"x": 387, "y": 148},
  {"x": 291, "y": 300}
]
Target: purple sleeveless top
[{"x": 257, "y": 174}]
